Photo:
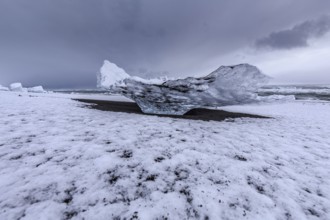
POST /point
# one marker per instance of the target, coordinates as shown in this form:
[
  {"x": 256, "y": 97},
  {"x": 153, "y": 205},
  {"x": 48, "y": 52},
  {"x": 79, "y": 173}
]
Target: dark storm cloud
[
  {"x": 297, "y": 36},
  {"x": 62, "y": 43}
]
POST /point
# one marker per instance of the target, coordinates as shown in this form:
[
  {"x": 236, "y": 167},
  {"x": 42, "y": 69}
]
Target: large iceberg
[{"x": 228, "y": 85}]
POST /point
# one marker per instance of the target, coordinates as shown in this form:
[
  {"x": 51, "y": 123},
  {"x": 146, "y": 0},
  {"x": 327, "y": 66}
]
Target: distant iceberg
[
  {"x": 17, "y": 87},
  {"x": 36, "y": 89},
  {"x": 3, "y": 88},
  {"x": 228, "y": 85}
]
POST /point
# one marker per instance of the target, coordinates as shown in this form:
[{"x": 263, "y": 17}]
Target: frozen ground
[{"x": 59, "y": 160}]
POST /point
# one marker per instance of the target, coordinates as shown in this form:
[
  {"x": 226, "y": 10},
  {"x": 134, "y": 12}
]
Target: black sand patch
[{"x": 194, "y": 114}]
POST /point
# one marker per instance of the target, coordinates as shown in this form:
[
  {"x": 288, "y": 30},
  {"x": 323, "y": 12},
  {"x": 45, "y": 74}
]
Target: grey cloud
[
  {"x": 63, "y": 43},
  {"x": 297, "y": 36}
]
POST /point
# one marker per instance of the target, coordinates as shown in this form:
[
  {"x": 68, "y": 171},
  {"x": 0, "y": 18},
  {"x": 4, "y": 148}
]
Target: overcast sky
[{"x": 62, "y": 43}]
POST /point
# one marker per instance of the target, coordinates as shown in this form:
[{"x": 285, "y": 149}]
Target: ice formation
[
  {"x": 228, "y": 85},
  {"x": 110, "y": 74},
  {"x": 2, "y": 88},
  {"x": 36, "y": 89},
  {"x": 17, "y": 87}
]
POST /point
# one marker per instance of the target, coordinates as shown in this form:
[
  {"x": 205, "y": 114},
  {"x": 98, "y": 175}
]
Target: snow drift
[{"x": 228, "y": 85}]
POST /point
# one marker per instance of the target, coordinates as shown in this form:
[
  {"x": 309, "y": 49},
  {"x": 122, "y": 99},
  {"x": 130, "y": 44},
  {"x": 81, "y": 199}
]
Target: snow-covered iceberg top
[
  {"x": 110, "y": 74},
  {"x": 228, "y": 85}
]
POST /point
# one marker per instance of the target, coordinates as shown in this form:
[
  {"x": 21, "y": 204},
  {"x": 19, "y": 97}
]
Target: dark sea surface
[{"x": 301, "y": 92}]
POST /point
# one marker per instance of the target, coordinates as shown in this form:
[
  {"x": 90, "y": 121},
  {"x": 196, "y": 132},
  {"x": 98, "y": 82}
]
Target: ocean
[{"x": 300, "y": 92}]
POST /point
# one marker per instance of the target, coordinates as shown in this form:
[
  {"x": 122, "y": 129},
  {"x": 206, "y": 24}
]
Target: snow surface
[{"x": 61, "y": 160}]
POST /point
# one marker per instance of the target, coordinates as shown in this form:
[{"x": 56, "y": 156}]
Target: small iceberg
[
  {"x": 36, "y": 89},
  {"x": 17, "y": 87},
  {"x": 3, "y": 88}
]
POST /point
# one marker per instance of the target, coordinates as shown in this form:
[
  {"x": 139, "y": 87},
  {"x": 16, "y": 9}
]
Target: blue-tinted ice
[{"x": 228, "y": 85}]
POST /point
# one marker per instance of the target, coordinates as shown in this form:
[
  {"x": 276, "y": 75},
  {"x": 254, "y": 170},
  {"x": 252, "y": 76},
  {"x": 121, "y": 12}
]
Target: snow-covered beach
[
  {"x": 164, "y": 110},
  {"x": 61, "y": 160}
]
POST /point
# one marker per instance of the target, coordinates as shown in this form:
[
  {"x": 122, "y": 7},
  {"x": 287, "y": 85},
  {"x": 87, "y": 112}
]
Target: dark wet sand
[{"x": 194, "y": 114}]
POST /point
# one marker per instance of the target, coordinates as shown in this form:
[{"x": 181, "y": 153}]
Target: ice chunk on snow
[
  {"x": 2, "y": 88},
  {"x": 228, "y": 85},
  {"x": 110, "y": 74},
  {"x": 36, "y": 89},
  {"x": 17, "y": 87}
]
